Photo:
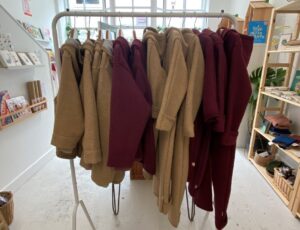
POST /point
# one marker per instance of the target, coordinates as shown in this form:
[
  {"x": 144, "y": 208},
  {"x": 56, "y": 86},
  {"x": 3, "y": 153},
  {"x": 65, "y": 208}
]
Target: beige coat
[
  {"x": 174, "y": 94},
  {"x": 156, "y": 46},
  {"x": 91, "y": 153},
  {"x": 101, "y": 173},
  {"x": 185, "y": 124},
  {"x": 96, "y": 63},
  {"x": 68, "y": 125},
  {"x": 3, "y": 224}
]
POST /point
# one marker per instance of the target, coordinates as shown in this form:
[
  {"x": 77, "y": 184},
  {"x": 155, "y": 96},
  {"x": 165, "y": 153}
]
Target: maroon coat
[
  {"x": 206, "y": 117},
  {"x": 238, "y": 50},
  {"x": 129, "y": 110},
  {"x": 146, "y": 154}
]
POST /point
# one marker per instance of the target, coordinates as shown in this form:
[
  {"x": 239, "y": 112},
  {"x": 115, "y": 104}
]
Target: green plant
[{"x": 275, "y": 77}]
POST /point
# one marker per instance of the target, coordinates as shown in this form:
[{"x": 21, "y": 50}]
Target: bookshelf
[{"x": 282, "y": 107}]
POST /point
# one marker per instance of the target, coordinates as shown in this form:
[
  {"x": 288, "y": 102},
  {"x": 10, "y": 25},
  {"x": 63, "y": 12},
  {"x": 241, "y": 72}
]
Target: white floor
[{"x": 46, "y": 203}]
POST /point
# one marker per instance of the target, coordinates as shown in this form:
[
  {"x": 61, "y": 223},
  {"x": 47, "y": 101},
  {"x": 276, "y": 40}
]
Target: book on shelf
[
  {"x": 18, "y": 106},
  {"x": 4, "y": 111},
  {"x": 35, "y": 94}
]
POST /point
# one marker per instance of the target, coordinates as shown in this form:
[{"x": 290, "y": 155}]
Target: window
[{"x": 139, "y": 6}]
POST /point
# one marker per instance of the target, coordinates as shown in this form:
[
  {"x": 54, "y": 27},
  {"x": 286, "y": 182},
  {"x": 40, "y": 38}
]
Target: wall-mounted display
[
  {"x": 34, "y": 31},
  {"x": 24, "y": 58},
  {"x": 4, "y": 95},
  {"x": 18, "y": 104},
  {"x": 34, "y": 58},
  {"x": 15, "y": 58},
  {"x": 6, "y": 59}
]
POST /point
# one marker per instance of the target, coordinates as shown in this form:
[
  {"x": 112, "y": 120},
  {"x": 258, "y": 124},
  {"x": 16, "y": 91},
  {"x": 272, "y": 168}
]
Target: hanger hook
[
  {"x": 195, "y": 22},
  {"x": 184, "y": 17},
  {"x": 120, "y": 28}
]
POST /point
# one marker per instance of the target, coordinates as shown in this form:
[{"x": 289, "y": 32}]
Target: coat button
[
  {"x": 196, "y": 186},
  {"x": 193, "y": 164}
]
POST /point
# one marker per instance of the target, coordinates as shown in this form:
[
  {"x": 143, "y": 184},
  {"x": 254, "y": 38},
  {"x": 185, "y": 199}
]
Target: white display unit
[{"x": 25, "y": 146}]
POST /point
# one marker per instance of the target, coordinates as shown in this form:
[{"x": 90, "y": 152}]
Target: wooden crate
[
  {"x": 281, "y": 183},
  {"x": 257, "y": 11}
]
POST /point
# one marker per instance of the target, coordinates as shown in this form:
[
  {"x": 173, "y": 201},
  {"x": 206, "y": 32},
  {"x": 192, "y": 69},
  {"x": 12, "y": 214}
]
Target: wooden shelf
[
  {"x": 269, "y": 179},
  {"x": 293, "y": 7},
  {"x": 292, "y": 153},
  {"x": 21, "y": 119},
  {"x": 23, "y": 67},
  {"x": 291, "y": 49},
  {"x": 25, "y": 116},
  {"x": 42, "y": 40},
  {"x": 281, "y": 99}
]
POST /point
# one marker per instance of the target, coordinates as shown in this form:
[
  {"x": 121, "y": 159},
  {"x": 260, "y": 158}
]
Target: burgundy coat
[
  {"x": 129, "y": 110},
  {"x": 146, "y": 154},
  {"x": 238, "y": 50},
  {"x": 206, "y": 117}
]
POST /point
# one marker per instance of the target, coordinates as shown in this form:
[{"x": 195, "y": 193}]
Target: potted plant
[{"x": 275, "y": 77}]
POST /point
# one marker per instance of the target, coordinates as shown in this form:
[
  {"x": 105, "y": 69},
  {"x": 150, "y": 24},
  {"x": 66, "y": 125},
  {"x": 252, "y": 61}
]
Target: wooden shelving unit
[
  {"x": 44, "y": 102},
  {"x": 293, "y": 202}
]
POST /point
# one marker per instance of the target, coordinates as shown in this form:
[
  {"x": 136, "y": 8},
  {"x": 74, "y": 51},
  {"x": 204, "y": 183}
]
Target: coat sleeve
[
  {"x": 91, "y": 153},
  {"x": 175, "y": 89},
  {"x": 68, "y": 125},
  {"x": 194, "y": 90}
]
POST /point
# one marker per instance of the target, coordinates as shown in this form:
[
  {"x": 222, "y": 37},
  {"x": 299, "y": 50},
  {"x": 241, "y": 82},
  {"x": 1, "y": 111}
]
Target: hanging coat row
[{"x": 168, "y": 101}]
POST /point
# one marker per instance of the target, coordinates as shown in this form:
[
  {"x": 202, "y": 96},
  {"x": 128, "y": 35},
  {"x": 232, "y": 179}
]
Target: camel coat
[
  {"x": 185, "y": 123},
  {"x": 3, "y": 224},
  {"x": 96, "y": 63},
  {"x": 155, "y": 44},
  {"x": 174, "y": 94},
  {"x": 69, "y": 120},
  {"x": 103, "y": 175},
  {"x": 91, "y": 153}
]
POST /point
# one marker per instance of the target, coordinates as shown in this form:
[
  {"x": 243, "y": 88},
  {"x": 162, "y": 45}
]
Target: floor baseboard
[{"x": 36, "y": 166}]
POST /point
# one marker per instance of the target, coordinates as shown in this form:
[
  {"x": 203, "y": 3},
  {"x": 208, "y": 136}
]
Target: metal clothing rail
[{"x": 58, "y": 63}]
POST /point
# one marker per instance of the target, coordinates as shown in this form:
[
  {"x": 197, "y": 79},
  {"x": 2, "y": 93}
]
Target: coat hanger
[
  {"x": 88, "y": 30},
  {"x": 120, "y": 29},
  {"x": 99, "y": 31},
  {"x": 183, "y": 21},
  {"x": 72, "y": 31},
  {"x": 133, "y": 31}
]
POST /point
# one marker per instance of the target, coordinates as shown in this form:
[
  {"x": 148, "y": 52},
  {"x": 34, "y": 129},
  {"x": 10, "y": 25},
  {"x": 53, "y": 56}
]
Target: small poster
[
  {"x": 26, "y": 7},
  {"x": 258, "y": 29}
]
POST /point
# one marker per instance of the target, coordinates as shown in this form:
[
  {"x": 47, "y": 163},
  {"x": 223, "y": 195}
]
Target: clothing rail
[{"x": 117, "y": 14}]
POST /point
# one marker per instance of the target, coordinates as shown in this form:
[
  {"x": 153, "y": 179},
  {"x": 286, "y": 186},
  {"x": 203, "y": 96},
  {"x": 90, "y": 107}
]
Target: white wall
[
  {"x": 25, "y": 145},
  {"x": 42, "y": 11}
]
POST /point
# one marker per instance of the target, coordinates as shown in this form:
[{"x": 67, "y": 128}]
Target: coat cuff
[
  {"x": 65, "y": 154},
  {"x": 165, "y": 122}
]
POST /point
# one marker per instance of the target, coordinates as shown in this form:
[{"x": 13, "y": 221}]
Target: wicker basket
[
  {"x": 7, "y": 210},
  {"x": 281, "y": 183},
  {"x": 263, "y": 161}
]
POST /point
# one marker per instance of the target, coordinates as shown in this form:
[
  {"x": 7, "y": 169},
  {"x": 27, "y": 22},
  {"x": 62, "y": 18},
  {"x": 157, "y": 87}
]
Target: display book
[
  {"x": 15, "y": 108},
  {"x": 10, "y": 58}
]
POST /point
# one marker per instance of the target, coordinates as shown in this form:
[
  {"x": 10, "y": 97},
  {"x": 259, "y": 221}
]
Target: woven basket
[
  {"x": 263, "y": 161},
  {"x": 283, "y": 186},
  {"x": 7, "y": 210}
]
